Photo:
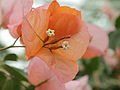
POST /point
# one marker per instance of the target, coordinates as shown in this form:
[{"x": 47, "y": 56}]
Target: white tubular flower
[
  {"x": 66, "y": 45},
  {"x": 50, "y": 32}
]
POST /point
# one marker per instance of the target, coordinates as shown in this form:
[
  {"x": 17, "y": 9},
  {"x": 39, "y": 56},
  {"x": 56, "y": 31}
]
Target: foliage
[{"x": 12, "y": 78}]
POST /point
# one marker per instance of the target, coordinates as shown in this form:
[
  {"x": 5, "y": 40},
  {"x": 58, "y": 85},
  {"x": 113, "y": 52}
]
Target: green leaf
[
  {"x": 16, "y": 73},
  {"x": 31, "y": 87},
  {"x": 11, "y": 57},
  {"x": 11, "y": 84},
  {"x": 91, "y": 65},
  {"x": 117, "y": 23},
  {"x": 114, "y": 39},
  {"x": 2, "y": 79}
]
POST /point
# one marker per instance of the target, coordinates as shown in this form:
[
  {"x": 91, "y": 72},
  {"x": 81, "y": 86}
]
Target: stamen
[
  {"x": 65, "y": 45},
  {"x": 50, "y": 32}
]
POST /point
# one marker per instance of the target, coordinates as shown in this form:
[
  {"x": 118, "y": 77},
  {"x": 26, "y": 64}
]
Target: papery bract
[
  {"x": 13, "y": 14},
  {"x": 40, "y": 75},
  {"x": 99, "y": 42}
]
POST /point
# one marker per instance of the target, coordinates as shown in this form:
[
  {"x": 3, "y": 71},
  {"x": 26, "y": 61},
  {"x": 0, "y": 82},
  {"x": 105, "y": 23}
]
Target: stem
[
  {"x": 11, "y": 46},
  {"x": 15, "y": 41},
  {"x": 41, "y": 83},
  {"x": 46, "y": 39},
  {"x": 55, "y": 41},
  {"x": 1, "y": 49}
]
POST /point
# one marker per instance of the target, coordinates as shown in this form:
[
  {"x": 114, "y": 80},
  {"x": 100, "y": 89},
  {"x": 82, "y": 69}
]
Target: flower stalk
[{"x": 11, "y": 46}]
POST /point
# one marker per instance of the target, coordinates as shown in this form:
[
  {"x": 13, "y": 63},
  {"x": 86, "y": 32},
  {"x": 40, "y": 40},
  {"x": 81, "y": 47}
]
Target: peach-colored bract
[
  {"x": 67, "y": 44},
  {"x": 13, "y": 13},
  {"x": 42, "y": 76},
  {"x": 99, "y": 42}
]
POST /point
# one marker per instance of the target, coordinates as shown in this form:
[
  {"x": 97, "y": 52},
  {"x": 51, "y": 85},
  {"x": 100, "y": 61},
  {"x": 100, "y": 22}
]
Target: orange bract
[
  {"x": 65, "y": 24},
  {"x": 71, "y": 18},
  {"x": 53, "y": 6},
  {"x": 65, "y": 9}
]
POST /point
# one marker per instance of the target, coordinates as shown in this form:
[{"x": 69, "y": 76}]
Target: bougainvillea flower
[
  {"x": 41, "y": 76},
  {"x": 99, "y": 42},
  {"x": 80, "y": 84},
  {"x": 13, "y": 14},
  {"x": 110, "y": 58},
  {"x": 58, "y": 36},
  {"x": 109, "y": 10}
]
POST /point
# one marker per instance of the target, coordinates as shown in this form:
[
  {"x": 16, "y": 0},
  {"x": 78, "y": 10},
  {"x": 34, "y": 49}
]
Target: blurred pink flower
[
  {"x": 44, "y": 78},
  {"x": 99, "y": 42},
  {"x": 109, "y": 10},
  {"x": 81, "y": 84},
  {"x": 13, "y": 12},
  {"x": 110, "y": 58},
  {"x": 111, "y": 29}
]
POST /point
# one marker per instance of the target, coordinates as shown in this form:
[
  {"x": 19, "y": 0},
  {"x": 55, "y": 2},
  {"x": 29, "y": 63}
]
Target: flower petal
[
  {"x": 52, "y": 84},
  {"x": 68, "y": 10},
  {"x": 38, "y": 19},
  {"x": 65, "y": 69},
  {"x": 53, "y": 6},
  {"x": 38, "y": 71},
  {"x": 15, "y": 29},
  {"x": 46, "y": 55},
  {"x": 30, "y": 40},
  {"x": 81, "y": 84},
  {"x": 99, "y": 42},
  {"x": 78, "y": 45},
  {"x": 65, "y": 24},
  {"x": 92, "y": 52},
  {"x": 40, "y": 75},
  {"x": 13, "y": 14},
  {"x": 33, "y": 33}
]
